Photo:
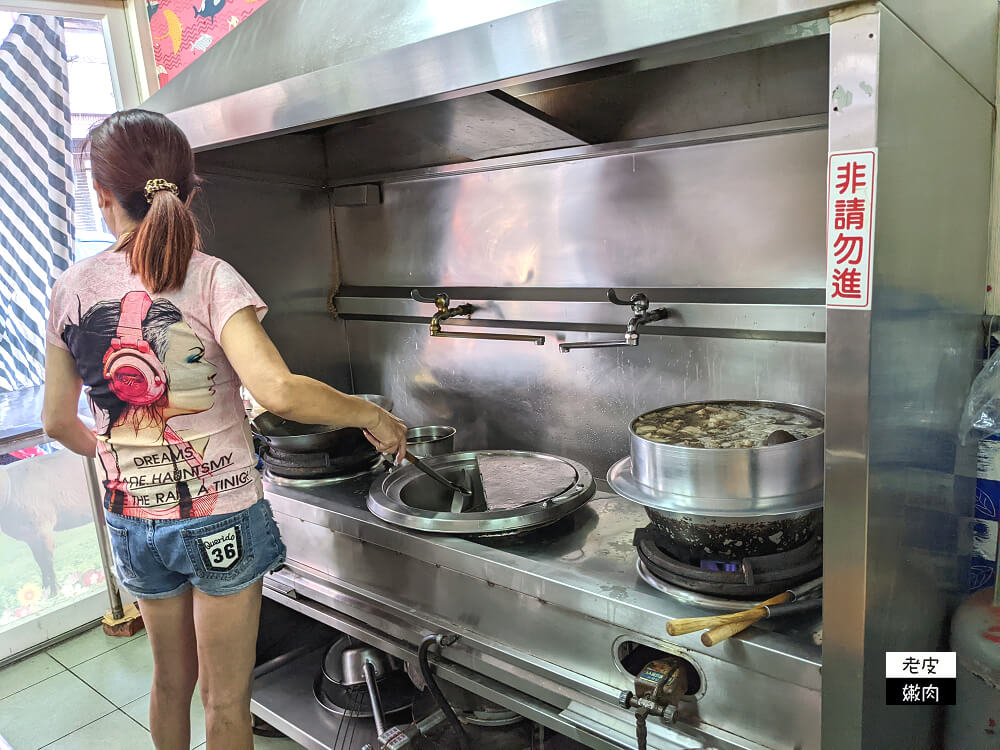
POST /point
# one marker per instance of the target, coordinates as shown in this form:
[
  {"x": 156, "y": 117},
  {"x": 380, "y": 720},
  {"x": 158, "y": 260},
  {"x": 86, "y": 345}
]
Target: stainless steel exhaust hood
[{"x": 296, "y": 65}]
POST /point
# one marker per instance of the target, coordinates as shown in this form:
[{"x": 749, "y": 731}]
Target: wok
[{"x": 285, "y": 435}]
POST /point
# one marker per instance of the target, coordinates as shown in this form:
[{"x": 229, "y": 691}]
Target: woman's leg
[
  {"x": 226, "y": 628},
  {"x": 170, "y": 623}
]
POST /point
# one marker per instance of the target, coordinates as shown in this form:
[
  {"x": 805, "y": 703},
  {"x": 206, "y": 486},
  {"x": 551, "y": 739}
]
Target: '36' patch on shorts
[{"x": 219, "y": 555}]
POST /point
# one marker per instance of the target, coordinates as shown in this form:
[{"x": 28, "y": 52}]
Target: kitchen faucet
[
  {"x": 441, "y": 301},
  {"x": 641, "y": 315}
]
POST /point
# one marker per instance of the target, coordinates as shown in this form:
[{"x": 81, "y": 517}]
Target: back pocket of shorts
[
  {"x": 120, "y": 551},
  {"x": 221, "y": 549}
]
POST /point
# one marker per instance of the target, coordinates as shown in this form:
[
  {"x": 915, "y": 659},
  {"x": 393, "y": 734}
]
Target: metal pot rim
[
  {"x": 683, "y": 450},
  {"x": 447, "y": 431},
  {"x": 384, "y": 500},
  {"x": 623, "y": 481}
]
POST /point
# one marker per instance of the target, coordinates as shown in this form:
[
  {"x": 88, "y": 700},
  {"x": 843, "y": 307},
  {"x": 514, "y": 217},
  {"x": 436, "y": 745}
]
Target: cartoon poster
[{"x": 183, "y": 29}]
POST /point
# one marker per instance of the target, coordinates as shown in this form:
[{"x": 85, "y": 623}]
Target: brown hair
[{"x": 128, "y": 149}]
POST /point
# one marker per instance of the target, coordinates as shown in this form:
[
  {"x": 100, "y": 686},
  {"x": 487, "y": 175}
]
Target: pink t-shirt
[{"x": 173, "y": 436}]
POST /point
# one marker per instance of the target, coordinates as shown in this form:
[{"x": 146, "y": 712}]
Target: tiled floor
[{"x": 89, "y": 692}]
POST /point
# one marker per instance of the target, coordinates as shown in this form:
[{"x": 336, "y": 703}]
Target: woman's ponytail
[
  {"x": 163, "y": 243},
  {"x": 145, "y": 161}
]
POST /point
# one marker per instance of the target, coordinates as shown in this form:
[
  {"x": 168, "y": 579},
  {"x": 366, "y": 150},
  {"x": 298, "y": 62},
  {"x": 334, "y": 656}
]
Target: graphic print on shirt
[{"x": 146, "y": 369}]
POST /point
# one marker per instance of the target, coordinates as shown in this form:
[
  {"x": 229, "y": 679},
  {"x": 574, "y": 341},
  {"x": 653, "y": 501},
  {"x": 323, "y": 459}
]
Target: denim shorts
[{"x": 218, "y": 555}]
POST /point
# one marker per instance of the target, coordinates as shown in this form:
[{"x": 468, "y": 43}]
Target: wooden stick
[
  {"x": 684, "y": 625},
  {"x": 721, "y": 633}
]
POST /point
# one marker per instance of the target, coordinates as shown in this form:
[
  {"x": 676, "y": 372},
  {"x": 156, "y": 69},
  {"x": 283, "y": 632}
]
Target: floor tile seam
[
  {"x": 133, "y": 719},
  {"x": 125, "y": 642},
  {"x": 144, "y": 695},
  {"x": 34, "y": 684},
  {"x": 82, "y": 726},
  {"x": 105, "y": 697}
]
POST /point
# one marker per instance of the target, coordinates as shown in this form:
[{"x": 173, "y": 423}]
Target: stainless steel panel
[
  {"x": 296, "y": 157},
  {"x": 710, "y": 135},
  {"x": 294, "y": 37},
  {"x": 553, "y": 39},
  {"x": 535, "y": 615},
  {"x": 577, "y": 405},
  {"x": 966, "y": 39},
  {"x": 758, "y": 320},
  {"x": 896, "y": 377},
  {"x": 455, "y": 130},
  {"x": 786, "y": 80},
  {"x": 598, "y": 725},
  {"x": 280, "y": 239},
  {"x": 745, "y": 213},
  {"x": 588, "y": 570}
]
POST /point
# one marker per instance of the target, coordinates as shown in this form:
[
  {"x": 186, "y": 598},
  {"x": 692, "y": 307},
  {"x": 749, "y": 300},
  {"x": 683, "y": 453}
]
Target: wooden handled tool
[
  {"x": 685, "y": 625},
  {"x": 722, "y": 632}
]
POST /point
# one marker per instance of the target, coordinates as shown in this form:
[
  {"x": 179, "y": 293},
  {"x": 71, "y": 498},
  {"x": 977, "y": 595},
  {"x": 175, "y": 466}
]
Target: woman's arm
[
  {"x": 62, "y": 398},
  {"x": 264, "y": 373}
]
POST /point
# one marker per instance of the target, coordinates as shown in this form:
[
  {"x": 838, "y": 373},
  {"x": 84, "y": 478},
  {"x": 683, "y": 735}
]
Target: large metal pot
[
  {"x": 760, "y": 472},
  {"x": 294, "y": 437}
]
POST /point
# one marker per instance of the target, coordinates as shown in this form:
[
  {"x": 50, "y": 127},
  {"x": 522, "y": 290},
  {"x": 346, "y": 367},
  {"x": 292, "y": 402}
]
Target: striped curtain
[{"x": 36, "y": 191}]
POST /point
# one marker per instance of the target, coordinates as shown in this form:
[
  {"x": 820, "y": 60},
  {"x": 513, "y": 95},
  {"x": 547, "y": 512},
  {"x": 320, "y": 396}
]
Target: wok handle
[{"x": 684, "y": 625}]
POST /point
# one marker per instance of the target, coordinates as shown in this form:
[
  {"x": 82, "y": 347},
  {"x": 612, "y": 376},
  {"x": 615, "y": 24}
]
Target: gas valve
[{"x": 658, "y": 687}]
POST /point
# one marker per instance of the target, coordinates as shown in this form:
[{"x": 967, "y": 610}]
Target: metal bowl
[
  {"x": 345, "y": 659},
  {"x": 431, "y": 440},
  {"x": 340, "y": 685},
  {"x": 751, "y": 473}
]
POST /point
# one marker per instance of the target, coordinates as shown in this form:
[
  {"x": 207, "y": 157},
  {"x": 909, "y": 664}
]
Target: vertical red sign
[{"x": 850, "y": 225}]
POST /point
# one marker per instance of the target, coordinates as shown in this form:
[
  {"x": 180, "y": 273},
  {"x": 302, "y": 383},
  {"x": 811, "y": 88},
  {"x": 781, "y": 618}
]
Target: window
[{"x": 51, "y": 577}]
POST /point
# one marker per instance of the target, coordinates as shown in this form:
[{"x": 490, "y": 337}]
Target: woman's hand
[{"x": 388, "y": 434}]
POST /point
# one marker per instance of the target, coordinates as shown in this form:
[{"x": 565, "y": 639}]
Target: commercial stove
[{"x": 553, "y": 623}]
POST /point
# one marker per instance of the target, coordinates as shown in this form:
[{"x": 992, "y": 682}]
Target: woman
[{"x": 162, "y": 335}]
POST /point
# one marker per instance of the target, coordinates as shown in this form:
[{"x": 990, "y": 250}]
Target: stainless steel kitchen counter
[
  {"x": 543, "y": 620},
  {"x": 589, "y": 568}
]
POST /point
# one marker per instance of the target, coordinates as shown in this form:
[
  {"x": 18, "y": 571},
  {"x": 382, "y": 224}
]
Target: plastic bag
[{"x": 981, "y": 416}]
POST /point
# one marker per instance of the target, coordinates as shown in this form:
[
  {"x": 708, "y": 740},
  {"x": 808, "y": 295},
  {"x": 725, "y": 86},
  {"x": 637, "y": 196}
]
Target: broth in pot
[{"x": 723, "y": 424}]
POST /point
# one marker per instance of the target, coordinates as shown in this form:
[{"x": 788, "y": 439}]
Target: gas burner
[
  {"x": 739, "y": 582},
  {"x": 315, "y": 469}
]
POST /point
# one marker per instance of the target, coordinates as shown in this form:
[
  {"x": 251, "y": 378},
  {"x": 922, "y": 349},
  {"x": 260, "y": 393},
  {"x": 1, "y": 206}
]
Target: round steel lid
[
  {"x": 512, "y": 491},
  {"x": 623, "y": 481}
]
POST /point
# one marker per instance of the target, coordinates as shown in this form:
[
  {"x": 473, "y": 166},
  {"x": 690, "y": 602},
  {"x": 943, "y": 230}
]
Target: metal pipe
[
  {"x": 423, "y": 660},
  {"x": 97, "y": 509},
  {"x": 369, "y": 670},
  {"x": 595, "y": 344},
  {"x": 539, "y": 340}
]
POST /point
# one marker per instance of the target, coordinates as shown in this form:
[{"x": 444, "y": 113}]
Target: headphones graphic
[{"x": 132, "y": 370}]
